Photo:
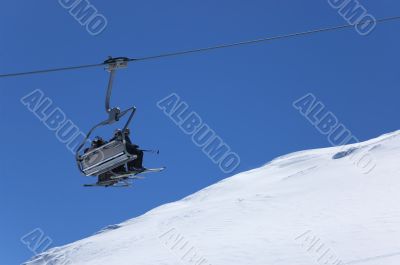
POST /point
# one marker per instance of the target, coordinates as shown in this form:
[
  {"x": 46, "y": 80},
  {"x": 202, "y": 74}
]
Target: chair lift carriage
[{"x": 114, "y": 154}]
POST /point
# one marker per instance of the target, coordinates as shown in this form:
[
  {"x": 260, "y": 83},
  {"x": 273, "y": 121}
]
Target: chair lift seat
[{"x": 105, "y": 158}]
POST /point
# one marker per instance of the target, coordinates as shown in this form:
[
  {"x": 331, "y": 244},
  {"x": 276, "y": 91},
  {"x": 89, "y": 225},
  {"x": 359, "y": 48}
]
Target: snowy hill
[{"x": 312, "y": 207}]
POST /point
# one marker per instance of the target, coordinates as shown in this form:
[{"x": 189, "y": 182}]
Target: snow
[{"x": 288, "y": 212}]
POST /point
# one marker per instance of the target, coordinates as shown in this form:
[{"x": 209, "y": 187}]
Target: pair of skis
[{"x": 122, "y": 181}]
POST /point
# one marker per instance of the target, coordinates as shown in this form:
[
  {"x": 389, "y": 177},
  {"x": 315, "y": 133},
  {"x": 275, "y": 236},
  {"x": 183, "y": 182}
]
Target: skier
[
  {"x": 96, "y": 143},
  {"x": 137, "y": 164},
  {"x": 133, "y": 149}
]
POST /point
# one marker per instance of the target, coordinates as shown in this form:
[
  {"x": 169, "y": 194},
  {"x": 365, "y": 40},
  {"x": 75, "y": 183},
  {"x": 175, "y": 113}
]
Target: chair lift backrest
[{"x": 105, "y": 158}]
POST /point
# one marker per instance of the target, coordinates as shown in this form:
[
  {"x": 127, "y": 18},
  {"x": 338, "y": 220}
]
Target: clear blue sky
[{"x": 244, "y": 94}]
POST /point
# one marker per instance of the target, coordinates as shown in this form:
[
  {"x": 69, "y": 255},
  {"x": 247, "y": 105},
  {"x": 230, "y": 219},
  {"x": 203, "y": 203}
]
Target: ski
[
  {"x": 135, "y": 174},
  {"x": 105, "y": 185},
  {"x": 152, "y": 170},
  {"x": 114, "y": 181}
]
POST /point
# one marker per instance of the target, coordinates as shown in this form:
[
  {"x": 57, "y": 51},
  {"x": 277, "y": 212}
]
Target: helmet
[
  {"x": 127, "y": 131},
  {"x": 117, "y": 132},
  {"x": 97, "y": 140}
]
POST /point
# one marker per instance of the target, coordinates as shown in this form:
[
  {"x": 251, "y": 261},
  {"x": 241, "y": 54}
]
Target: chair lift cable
[
  {"x": 206, "y": 49},
  {"x": 291, "y": 35}
]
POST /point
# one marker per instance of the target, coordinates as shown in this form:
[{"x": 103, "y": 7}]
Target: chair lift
[{"x": 114, "y": 154}]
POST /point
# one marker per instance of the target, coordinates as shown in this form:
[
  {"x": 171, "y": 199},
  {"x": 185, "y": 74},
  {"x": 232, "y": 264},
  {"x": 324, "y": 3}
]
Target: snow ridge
[{"x": 257, "y": 217}]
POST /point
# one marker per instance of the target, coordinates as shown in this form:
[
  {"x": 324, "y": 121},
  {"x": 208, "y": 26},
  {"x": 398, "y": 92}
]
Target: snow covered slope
[{"x": 310, "y": 207}]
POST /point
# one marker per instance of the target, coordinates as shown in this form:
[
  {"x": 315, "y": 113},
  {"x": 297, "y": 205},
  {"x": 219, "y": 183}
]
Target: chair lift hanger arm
[{"x": 113, "y": 64}]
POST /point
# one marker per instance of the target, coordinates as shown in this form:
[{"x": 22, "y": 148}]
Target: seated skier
[
  {"x": 137, "y": 164},
  {"x": 96, "y": 143},
  {"x": 133, "y": 149},
  {"x": 121, "y": 169}
]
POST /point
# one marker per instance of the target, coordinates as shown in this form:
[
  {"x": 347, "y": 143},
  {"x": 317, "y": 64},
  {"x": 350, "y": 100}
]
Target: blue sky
[{"x": 244, "y": 94}]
